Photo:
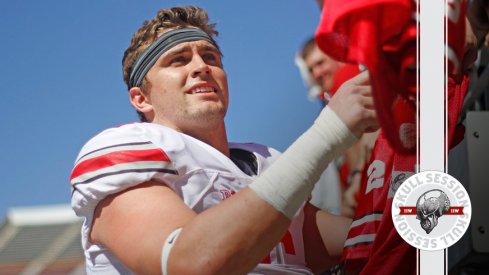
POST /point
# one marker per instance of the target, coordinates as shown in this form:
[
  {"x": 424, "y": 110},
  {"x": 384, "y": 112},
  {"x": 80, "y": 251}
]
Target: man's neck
[
  {"x": 216, "y": 138},
  {"x": 213, "y": 134}
]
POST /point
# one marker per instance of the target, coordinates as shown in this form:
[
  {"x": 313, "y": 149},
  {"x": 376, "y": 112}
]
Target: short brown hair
[
  {"x": 167, "y": 19},
  {"x": 308, "y": 47}
]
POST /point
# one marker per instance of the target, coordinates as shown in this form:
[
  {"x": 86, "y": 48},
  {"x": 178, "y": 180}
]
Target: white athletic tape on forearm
[
  {"x": 290, "y": 180},
  {"x": 169, "y": 242}
]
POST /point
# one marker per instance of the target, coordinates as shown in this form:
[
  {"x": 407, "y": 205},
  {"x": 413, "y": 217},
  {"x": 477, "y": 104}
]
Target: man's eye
[
  {"x": 209, "y": 57},
  {"x": 178, "y": 59}
]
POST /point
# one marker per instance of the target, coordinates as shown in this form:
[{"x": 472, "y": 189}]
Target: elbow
[
  {"x": 184, "y": 265},
  {"x": 187, "y": 261},
  {"x": 205, "y": 264}
]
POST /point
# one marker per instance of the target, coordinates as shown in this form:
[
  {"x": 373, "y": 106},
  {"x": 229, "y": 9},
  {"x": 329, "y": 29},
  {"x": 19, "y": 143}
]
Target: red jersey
[{"x": 372, "y": 233}]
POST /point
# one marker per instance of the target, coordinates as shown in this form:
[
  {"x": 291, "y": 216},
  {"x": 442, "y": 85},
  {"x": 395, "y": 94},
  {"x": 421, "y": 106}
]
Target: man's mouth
[{"x": 202, "y": 90}]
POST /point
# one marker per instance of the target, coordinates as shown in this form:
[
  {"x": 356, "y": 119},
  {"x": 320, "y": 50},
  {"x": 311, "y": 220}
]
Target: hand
[{"x": 354, "y": 105}]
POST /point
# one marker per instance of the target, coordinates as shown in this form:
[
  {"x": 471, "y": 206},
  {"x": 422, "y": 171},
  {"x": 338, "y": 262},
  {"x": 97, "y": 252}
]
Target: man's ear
[{"x": 141, "y": 102}]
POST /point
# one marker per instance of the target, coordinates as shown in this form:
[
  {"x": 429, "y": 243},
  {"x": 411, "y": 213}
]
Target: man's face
[
  {"x": 188, "y": 87},
  {"x": 322, "y": 68}
]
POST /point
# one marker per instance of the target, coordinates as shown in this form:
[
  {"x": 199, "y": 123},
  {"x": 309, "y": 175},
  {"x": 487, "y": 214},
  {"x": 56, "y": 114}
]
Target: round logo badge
[{"x": 431, "y": 210}]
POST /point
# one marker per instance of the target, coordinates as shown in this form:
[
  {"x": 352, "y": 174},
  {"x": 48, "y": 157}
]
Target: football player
[{"x": 172, "y": 195}]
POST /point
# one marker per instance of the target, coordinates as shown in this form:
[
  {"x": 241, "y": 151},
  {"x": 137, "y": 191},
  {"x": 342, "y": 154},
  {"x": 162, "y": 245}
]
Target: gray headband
[{"x": 165, "y": 42}]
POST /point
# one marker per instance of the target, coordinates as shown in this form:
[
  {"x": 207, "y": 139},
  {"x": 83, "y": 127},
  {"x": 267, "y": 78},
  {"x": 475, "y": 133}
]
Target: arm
[
  {"x": 324, "y": 237},
  {"x": 212, "y": 241}
]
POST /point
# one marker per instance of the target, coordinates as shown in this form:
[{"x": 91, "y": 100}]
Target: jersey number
[{"x": 375, "y": 174}]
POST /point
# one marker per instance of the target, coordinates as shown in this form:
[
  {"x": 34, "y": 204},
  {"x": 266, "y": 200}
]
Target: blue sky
[{"x": 62, "y": 82}]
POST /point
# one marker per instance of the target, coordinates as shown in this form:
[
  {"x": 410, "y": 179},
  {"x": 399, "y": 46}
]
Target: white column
[{"x": 432, "y": 111}]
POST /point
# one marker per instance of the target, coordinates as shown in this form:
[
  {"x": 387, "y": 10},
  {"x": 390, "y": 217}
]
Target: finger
[
  {"x": 373, "y": 125},
  {"x": 362, "y": 78},
  {"x": 371, "y": 120},
  {"x": 365, "y": 90},
  {"x": 372, "y": 129},
  {"x": 368, "y": 102}
]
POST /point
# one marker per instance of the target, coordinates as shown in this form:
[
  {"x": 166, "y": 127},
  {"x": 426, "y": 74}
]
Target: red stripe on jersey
[
  {"x": 118, "y": 157},
  {"x": 352, "y": 254},
  {"x": 266, "y": 260},
  {"x": 288, "y": 243},
  {"x": 366, "y": 228}
]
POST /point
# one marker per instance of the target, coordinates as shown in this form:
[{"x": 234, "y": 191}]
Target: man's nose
[
  {"x": 317, "y": 73},
  {"x": 199, "y": 66}
]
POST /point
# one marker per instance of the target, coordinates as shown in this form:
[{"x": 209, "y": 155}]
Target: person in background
[
  {"x": 324, "y": 75},
  {"x": 326, "y": 195}
]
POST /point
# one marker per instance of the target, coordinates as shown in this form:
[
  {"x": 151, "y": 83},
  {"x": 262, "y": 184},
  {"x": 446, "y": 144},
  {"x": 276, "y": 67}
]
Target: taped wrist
[
  {"x": 289, "y": 181},
  {"x": 167, "y": 246}
]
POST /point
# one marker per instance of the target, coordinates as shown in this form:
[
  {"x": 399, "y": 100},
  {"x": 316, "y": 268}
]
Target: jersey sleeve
[{"x": 114, "y": 160}]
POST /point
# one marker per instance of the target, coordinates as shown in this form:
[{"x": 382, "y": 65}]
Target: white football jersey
[{"x": 122, "y": 157}]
